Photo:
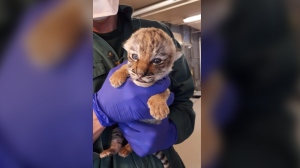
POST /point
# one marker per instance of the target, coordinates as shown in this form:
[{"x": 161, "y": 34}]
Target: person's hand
[
  {"x": 127, "y": 102},
  {"x": 146, "y": 139}
]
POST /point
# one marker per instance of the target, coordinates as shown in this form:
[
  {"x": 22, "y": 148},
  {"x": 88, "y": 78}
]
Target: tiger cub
[{"x": 151, "y": 53}]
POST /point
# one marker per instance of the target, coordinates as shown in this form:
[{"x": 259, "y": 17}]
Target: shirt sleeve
[{"x": 181, "y": 111}]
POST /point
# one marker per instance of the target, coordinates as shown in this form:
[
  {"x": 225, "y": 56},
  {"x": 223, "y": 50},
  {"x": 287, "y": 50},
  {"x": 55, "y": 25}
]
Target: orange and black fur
[{"x": 151, "y": 54}]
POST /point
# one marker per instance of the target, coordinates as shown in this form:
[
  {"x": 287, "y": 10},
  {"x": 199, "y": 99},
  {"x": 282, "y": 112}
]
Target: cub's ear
[
  {"x": 178, "y": 53},
  {"x": 126, "y": 45}
]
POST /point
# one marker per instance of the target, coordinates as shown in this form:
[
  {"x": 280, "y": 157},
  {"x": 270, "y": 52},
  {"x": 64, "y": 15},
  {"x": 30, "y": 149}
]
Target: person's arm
[
  {"x": 181, "y": 111},
  {"x": 182, "y": 85},
  {"x": 97, "y": 128},
  {"x": 108, "y": 107}
]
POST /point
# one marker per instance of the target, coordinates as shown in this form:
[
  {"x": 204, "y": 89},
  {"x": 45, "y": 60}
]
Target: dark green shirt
[{"x": 115, "y": 38}]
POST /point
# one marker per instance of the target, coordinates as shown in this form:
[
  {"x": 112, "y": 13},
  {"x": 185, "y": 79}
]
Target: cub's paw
[
  {"x": 108, "y": 152},
  {"x": 117, "y": 79},
  {"x": 125, "y": 151},
  {"x": 158, "y": 111}
]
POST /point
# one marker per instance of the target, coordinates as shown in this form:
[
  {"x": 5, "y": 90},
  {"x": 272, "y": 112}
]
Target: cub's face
[{"x": 151, "y": 54}]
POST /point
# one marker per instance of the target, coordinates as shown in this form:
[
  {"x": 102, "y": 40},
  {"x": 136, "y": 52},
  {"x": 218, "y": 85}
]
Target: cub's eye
[
  {"x": 156, "y": 61},
  {"x": 134, "y": 57}
]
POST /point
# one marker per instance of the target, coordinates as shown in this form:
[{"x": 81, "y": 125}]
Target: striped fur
[
  {"x": 163, "y": 158},
  {"x": 148, "y": 45},
  {"x": 115, "y": 145}
]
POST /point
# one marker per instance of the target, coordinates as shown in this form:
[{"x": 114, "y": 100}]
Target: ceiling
[{"x": 172, "y": 12}]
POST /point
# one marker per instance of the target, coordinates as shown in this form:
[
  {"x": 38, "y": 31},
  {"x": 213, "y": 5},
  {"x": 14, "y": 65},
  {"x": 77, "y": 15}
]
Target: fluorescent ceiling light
[
  {"x": 192, "y": 18},
  {"x": 168, "y": 8},
  {"x": 154, "y": 7}
]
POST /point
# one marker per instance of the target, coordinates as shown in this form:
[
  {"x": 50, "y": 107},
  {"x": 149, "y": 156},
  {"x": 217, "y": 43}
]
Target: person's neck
[{"x": 107, "y": 25}]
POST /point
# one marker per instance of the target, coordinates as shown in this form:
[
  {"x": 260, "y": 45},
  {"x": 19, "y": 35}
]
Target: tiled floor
[{"x": 189, "y": 150}]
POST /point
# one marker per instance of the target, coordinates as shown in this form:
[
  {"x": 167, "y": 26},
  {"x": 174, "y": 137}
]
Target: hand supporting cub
[{"x": 126, "y": 103}]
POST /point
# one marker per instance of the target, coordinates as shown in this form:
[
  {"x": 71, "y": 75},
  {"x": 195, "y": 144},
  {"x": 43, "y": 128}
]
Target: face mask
[
  {"x": 100, "y": 18},
  {"x": 104, "y": 8}
]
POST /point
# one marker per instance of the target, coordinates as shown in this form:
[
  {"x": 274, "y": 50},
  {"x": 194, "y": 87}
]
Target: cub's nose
[{"x": 141, "y": 73}]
